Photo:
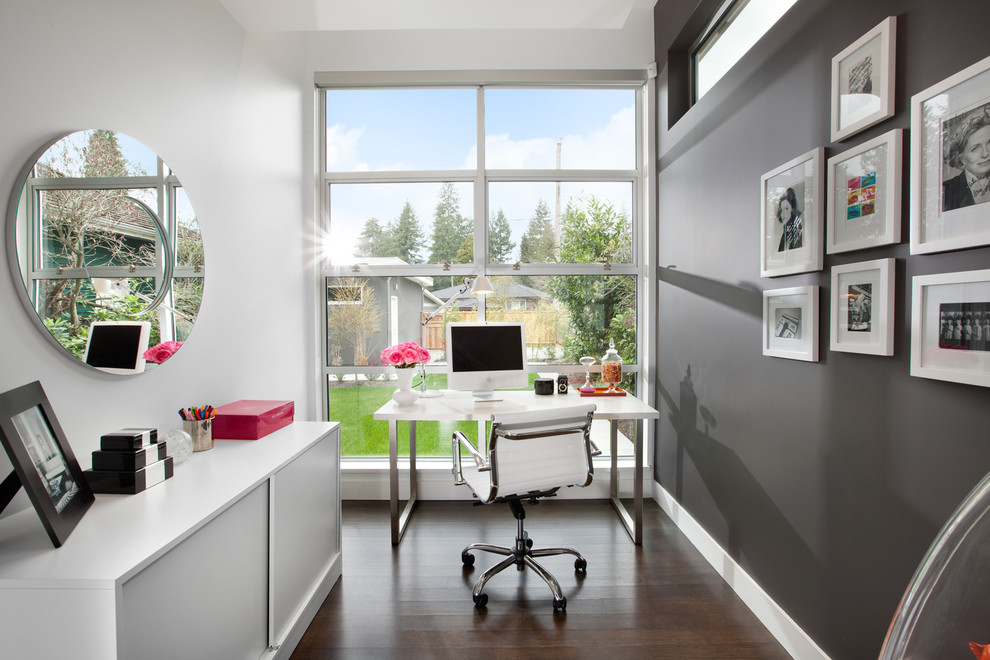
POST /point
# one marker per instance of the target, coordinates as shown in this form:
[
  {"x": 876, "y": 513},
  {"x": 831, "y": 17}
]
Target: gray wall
[{"x": 825, "y": 481}]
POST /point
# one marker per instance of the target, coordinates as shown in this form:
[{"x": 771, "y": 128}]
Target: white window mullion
[{"x": 481, "y": 204}]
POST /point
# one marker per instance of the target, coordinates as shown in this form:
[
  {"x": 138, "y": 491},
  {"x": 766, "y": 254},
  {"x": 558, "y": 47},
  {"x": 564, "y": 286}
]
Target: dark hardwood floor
[{"x": 659, "y": 600}]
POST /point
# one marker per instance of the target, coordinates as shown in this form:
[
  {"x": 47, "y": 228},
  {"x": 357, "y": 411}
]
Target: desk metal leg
[
  {"x": 400, "y": 520},
  {"x": 632, "y": 522}
]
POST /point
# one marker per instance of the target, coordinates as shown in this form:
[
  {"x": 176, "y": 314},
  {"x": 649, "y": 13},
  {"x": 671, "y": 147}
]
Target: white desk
[{"x": 456, "y": 406}]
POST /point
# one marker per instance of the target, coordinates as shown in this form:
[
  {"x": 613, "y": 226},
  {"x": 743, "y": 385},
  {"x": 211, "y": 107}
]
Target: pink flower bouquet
[
  {"x": 162, "y": 351},
  {"x": 405, "y": 355}
]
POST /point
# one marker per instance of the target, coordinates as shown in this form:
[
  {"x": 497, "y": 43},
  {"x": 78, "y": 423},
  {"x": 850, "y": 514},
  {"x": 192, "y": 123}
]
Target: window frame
[{"x": 640, "y": 82}]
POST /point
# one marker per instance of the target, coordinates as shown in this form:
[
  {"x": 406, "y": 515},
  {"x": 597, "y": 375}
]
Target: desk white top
[{"x": 456, "y": 406}]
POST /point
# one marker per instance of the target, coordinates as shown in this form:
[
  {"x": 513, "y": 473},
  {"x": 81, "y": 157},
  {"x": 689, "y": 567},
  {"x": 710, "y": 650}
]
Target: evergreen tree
[
  {"x": 465, "y": 254},
  {"x": 500, "y": 243},
  {"x": 102, "y": 155},
  {"x": 373, "y": 241},
  {"x": 405, "y": 238},
  {"x": 450, "y": 229},
  {"x": 537, "y": 244}
]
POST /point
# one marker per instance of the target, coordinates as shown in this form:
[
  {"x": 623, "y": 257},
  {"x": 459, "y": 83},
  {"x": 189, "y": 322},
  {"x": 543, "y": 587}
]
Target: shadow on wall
[
  {"x": 765, "y": 544},
  {"x": 744, "y": 298},
  {"x": 757, "y": 529}
]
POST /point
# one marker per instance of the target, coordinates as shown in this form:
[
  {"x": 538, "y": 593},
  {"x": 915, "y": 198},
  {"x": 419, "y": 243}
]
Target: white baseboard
[{"x": 794, "y": 640}]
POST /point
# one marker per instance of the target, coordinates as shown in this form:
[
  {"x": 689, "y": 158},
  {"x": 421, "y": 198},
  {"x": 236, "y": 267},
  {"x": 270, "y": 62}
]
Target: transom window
[{"x": 538, "y": 187}]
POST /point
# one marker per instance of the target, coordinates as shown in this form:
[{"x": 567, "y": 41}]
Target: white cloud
[{"x": 342, "y": 147}]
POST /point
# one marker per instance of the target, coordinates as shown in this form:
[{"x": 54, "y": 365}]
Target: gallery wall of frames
[{"x": 818, "y": 204}]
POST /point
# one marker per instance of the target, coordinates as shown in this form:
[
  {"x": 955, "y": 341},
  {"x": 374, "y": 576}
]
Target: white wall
[
  {"x": 223, "y": 109},
  {"x": 233, "y": 114}
]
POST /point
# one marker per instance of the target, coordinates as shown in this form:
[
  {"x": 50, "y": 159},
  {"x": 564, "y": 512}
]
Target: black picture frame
[{"x": 43, "y": 461}]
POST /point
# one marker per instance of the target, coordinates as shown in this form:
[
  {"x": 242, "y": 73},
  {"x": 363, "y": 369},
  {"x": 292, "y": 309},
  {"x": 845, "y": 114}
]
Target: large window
[{"x": 538, "y": 187}]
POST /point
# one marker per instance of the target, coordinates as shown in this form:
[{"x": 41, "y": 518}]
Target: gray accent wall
[{"x": 825, "y": 481}]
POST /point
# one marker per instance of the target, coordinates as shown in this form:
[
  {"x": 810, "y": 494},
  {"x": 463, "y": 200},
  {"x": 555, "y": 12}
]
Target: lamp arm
[{"x": 448, "y": 302}]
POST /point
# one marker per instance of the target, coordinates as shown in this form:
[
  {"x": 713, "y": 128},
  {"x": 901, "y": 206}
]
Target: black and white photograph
[
  {"x": 950, "y": 162},
  {"x": 46, "y": 457},
  {"x": 966, "y": 168},
  {"x": 863, "y": 81},
  {"x": 862, "y": 305},
  {"x": 964, "y": 326},
  {"x": 790, "y": 323},
  {"x": 858, "y": 315},
  {"x": 950, "y": 322},
  {"x": 791, "y": 206}
]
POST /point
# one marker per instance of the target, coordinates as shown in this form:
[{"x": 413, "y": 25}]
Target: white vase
[{"x": 405, "y": 395}]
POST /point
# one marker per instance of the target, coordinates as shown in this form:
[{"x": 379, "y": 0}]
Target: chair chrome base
[{"x": 522, "y": 557}]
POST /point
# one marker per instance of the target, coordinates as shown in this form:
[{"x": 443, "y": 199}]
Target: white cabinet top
[{"x": 121, "y": 534}]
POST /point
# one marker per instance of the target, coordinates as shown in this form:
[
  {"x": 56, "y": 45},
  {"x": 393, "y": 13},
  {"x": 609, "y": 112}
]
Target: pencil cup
[{"x": 201, "y": 432}]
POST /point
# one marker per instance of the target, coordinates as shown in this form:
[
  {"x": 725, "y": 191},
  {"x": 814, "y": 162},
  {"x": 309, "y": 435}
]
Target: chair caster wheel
[
  {"x": 467, "y": 559},
  {"x": 481, "y": 600},
  {"x": 581, "y": 564},
  {"x": 559, "y": 605}
]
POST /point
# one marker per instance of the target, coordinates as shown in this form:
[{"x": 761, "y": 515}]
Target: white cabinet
[{"x": 230, "y": 558}]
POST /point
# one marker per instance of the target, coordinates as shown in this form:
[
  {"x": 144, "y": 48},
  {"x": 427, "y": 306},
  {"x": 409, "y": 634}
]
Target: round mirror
[{"x": 107, "y": 248}]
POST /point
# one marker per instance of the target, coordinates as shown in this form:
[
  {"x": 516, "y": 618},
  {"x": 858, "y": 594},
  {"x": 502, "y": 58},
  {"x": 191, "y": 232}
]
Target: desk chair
[{"x": 531, "y": 455}]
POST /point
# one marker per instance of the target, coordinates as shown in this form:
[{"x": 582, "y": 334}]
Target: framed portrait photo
[
  {"x": 863, "y": 81},
  {"x": 791, "y": 205},
  {"x": 790, "y": 323},
  {"x": 864, "y": 195},
  {"x": 43, "y": 461},
  {"x": 862, "y": 305},
  {"x": 950, "y": 162},
  {"x": 950, "y": 327}
]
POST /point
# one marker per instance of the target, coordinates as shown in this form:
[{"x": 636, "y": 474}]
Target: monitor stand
[{"x": 485, "y": 396}]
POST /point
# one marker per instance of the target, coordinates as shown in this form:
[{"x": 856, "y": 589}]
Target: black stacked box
[{"x": 129, "y": 461}]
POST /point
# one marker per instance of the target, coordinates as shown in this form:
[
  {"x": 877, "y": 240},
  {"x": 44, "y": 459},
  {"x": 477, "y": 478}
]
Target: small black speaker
[{"x": 543, "y": 385}]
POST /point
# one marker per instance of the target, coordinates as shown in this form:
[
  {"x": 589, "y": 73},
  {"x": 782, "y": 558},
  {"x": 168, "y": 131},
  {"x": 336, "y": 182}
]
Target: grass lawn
[{"x": 360, "y": 435}]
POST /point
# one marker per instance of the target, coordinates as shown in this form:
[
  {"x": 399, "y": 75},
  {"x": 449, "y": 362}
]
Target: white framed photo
[
  {"x": 790, "y": 323},
  {"x": 864, "y": 195},
  {"x": 862, "y": 305},
  {"x": 791, "y": 206},
  {"x": 863, "y": 81},
  {"x": 950, "y": 162},
  {"x": 950, "y": 327}
]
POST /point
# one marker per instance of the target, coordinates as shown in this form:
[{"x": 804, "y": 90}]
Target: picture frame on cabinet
[
  {"x": 864, "y": 195},
  {"x": 950, "y": 180},
  {"x": 43, "y": 461},
  {"x": 950, "y": 321},
  {"x": 790, "y": 323},
  {"x": 863, "y": 81},
  {"x": 862, "y": 307},
  {"x": 791, "y": 223}
]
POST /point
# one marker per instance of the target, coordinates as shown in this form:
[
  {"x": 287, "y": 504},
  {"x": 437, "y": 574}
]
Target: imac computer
[
  {"x": 482, "y": 357},
  {"x": 118, "y": 347}
]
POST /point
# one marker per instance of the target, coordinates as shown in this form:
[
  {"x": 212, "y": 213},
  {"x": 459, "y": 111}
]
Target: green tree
[
  {"x": 405, "y": 238},
  {"x": 537, "y": 245},
  {"x": 600, "y": 307},
  {"x": 500, "y": 243},
  {"x": 373, "y": 241},
  {"x": 450, "y": 228},
  {"x": 465, "y": 254}
]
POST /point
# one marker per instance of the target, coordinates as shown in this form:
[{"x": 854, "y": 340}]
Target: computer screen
[
  {"x": 482, "y": 357},
  {"x": 118, "y": 347}
]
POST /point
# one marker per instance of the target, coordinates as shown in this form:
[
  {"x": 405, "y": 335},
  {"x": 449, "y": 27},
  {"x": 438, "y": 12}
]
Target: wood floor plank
[{"x": 658, "y": 600}]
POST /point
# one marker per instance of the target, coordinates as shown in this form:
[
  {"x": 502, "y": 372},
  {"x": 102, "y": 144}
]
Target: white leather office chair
[{"x": 530, "y": 455}]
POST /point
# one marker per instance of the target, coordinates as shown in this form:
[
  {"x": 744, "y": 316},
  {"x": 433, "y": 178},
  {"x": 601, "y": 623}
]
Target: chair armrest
[
  {"x": 595, "y": 451},
  {"x": 459, "y": 440}
]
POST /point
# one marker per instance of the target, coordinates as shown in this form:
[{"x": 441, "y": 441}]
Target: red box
[{"x": 250, "y": 420}]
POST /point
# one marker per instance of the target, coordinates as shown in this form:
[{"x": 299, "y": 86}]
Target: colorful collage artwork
[{"x": 861, "y": 196}]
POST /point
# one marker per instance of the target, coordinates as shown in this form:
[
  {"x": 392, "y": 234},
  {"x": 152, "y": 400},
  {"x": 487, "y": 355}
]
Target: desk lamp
[{"x": 479, "y": 286}]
